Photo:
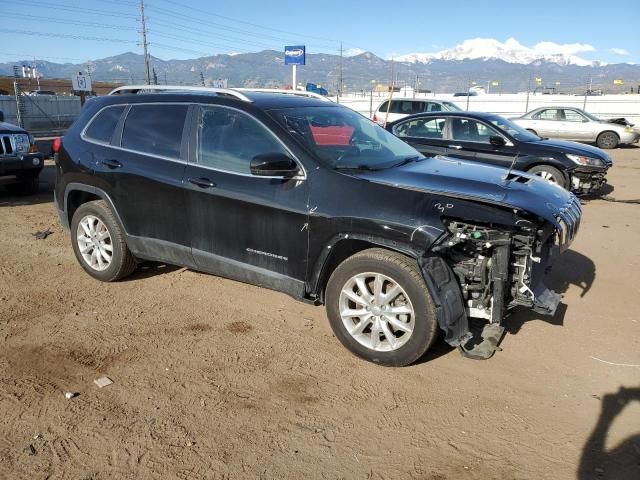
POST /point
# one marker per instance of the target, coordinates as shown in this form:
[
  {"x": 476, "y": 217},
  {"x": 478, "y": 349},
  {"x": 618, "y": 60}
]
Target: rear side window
[
  {"x": 155, "y": 129},
  {"x": 104, "y": 124},
  {"x": 549, "y": 114}
]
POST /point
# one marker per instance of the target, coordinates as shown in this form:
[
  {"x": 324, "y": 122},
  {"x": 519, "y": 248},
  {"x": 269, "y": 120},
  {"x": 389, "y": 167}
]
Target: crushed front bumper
[{"x": 585, "y": 180}]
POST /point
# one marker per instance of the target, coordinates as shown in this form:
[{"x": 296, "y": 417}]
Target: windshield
[
  {"x": 342, "y": 138},
  {"x": 513, "y": 129},
  {"x": 590, "y": 117},
  {"x": 452, "y": 107}
]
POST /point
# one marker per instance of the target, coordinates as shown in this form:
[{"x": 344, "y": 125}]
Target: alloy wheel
[
  {"x": 94, "y": 243},
  {"x": 376, "y": 311}
]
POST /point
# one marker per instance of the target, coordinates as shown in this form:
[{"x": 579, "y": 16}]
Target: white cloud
[
  {"x": 552, "y": 48},
  {"x": 619, "y": 51}
]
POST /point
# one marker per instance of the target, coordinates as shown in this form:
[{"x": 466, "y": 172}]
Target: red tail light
[
  {"x": 57, "y": 143},
  {"x": 375, "y": 119}
]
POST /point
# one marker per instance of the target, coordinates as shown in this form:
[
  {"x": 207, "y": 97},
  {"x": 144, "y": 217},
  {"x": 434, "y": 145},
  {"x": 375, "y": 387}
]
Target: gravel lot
[{"x": 216, "y": 379}]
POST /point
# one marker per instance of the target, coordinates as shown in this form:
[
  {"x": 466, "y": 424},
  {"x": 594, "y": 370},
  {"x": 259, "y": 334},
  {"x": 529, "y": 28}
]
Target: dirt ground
[{"x": 219, "y": 380}]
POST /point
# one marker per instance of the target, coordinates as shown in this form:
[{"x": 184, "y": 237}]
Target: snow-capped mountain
[{"x": 510, "y": 51}]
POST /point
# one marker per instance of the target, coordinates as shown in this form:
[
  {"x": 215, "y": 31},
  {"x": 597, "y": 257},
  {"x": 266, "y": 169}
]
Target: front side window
[
  {"x": 104, "y": 124},
  {"x": 340, "y": 137},
  {"x": 229, "y": 139},
  {"x": 155, "y": 129},
  {"x": 421, "y": 128},
  {"x": 434, "y": 107}
]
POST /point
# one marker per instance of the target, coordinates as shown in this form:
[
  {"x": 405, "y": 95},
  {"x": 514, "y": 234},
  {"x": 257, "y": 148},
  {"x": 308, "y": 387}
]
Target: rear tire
[
  {"x": 550, "y": 174},
  {"x": 99, "y": 243},
  {"x": 385, "y": 293},
  {"x": 28, "y": 186},
  {"x": 608, "y": 140}
]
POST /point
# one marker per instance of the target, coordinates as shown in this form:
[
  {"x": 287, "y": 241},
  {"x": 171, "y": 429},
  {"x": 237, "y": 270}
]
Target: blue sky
[{"x": 187, "y": 29}]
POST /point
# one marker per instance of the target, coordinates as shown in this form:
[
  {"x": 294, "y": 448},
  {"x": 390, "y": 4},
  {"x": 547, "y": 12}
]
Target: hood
[
  {"x": 469, "y": 180},
  {"x": 11, "y": 128},
  {"x": 574, "y": 148}
]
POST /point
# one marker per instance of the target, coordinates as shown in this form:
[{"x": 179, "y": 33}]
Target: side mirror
[
  {"x": 497, "y": 141},
  {"x": 274, "y": 164}
]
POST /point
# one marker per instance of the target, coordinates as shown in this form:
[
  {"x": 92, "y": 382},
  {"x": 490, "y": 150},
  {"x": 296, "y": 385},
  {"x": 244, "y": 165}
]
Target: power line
[
  {"x": 71, "y": 22},
  {"x": 172, "y": 2},
  {"x": 65, "y": 35},
  {"x": 70, "y": 8},
  {"x": 174, "y": 14},
  {"x": 204, "y": 33}
]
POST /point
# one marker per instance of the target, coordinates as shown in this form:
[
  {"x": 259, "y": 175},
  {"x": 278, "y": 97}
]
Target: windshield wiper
[
  {"x": 404, "y": 161},
  {"x": 356, "y": 167}
]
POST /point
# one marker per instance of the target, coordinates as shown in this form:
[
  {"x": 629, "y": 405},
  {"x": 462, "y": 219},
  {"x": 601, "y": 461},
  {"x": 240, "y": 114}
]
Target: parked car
[
  {"x": 575, "y": 124},
  {"x": 494, "y": 140},
  {"x": 403, "y": 107},
  {"x": 41, "y": 92},
  {"x": 20, "y": 161},
  {"x": 310, "y": 198}
]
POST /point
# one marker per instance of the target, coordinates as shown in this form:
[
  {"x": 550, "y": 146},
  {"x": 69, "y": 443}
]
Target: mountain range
[{"x": 512, "y": 66}]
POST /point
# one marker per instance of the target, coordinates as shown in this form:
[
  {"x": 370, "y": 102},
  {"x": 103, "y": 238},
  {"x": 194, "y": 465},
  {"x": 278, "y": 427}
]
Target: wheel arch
[
  {"x": 552, "y": 163},
  {"x": 341, "y": 247},
  {"x": 76, "y": 194}
]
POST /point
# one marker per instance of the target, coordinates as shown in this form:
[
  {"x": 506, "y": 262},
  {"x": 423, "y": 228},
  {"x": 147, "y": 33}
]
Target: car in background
[
  {"x": 570, "y": 123},
  {"x": 491, "y": 139},
  {"x": 403, "y": 107},
  {"x": 35, "y": 93},
  {"x": 20, "y": 161}
]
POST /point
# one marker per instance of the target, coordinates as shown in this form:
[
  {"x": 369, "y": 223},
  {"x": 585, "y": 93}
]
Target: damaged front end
[
  {"x": 484, "y": 271},
  {"x": 585, "y": 181}
]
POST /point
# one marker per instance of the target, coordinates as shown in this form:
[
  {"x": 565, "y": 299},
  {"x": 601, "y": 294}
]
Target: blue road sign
[{"x": 294, "y": 55}]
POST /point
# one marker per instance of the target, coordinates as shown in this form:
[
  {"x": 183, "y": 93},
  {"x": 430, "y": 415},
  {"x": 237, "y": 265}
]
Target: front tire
[
  {"x": 608, "y": 140},
  {"x": 99, "y": 243},
  {"x": 380, "y": 308},
  {"x": 550, "y": 174}
]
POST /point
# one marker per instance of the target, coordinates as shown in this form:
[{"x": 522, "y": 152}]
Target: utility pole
[
  {"x": 340, "y": 76},
  {"x": 202, "y": 79},
  {"x": 145, "y": 45}
]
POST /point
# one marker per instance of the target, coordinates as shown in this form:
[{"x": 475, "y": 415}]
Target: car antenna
[{"x": 513, "y": 162}]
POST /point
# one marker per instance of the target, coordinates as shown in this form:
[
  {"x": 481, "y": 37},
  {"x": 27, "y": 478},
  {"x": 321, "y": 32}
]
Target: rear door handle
[
  {"x": 202, "y": 182},
  {"x": 457, "y": 147},
  {"x": 111, "y": 163}
]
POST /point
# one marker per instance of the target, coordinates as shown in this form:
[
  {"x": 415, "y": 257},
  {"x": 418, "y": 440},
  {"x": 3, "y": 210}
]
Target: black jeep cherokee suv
[{"x": 312, "y": 199}]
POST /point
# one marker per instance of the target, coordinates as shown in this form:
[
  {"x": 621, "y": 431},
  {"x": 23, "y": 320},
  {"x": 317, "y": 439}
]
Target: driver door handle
[
  {"x": 457, "y": 147},
  {"x": 202, "y": 182},
  {"x": 110, "y": 163}
]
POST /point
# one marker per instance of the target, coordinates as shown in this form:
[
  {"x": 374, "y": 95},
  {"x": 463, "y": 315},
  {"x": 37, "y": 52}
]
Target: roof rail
[
  {"x": 134, "y": 89},
  {"x": 301, "y": 93}
]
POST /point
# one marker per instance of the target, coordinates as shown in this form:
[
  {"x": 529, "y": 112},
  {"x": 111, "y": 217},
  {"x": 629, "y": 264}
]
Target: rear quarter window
[
  {"x": 104, "y": 124},
  {"x": 155, "y": 129}
]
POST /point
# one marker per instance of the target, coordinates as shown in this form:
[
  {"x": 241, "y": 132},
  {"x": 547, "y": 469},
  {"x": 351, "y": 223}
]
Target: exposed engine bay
[{"x": 497, "y": 269}]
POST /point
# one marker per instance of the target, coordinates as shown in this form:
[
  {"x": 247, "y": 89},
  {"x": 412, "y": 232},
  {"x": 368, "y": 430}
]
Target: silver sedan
[{"x": 574, "y": 124}]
